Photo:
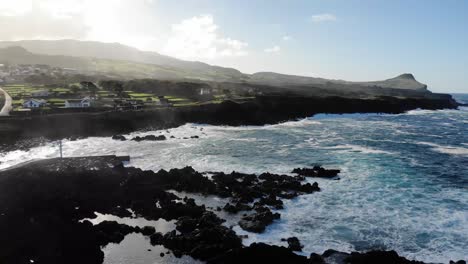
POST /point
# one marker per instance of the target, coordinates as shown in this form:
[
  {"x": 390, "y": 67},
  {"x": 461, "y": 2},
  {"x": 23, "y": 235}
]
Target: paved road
[{"x": 7, "y": 106}]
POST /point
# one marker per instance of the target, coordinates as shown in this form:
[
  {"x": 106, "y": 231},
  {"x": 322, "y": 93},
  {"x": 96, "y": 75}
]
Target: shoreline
[
  {"x": 65, "y": 185},
  {"x": 264, "y": 110}
]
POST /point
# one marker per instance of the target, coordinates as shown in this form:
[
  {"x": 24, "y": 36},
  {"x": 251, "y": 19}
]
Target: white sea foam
[
  {"x": 356, "y": 148},
  {"x": 354, "y": 115},
  {"x": 451, "y": 150}
]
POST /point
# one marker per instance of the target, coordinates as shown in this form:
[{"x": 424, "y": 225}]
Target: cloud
[
  {"x": 287, "y": 38},
  {"x": 130, "y": 22},
  {"x": 325, "y": 17},
  {"x": 274, "y": 49},
  {"x": 32, "y": 20},
  {"x": 197, "y": 38}
]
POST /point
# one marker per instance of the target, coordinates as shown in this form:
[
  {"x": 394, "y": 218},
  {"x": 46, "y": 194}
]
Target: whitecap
[
  {"x": 357, "y": 148},
  {"x": 451, "y": 150}
]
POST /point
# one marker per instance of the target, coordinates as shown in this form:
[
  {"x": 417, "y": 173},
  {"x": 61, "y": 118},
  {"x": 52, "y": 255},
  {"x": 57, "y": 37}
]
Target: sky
[{"x": 355, "y": 40}]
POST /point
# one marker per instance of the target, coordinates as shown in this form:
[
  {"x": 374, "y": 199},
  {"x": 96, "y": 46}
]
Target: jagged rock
[
  {"x": 256, "y": 222},
  {"x": 119, "y": 137},
  {"x": 234, "y": 209},
  {"x": 293, "y": 243},
  {"x": 371, "y": 257},
  {"x": 458, "y": 262},
  {"x": 148, "y": 230},
  {"x": 149, "y": 138},
  {"x": 271, "y": 200},
  {"x": 315, "y": 258},
  {"x": 260, "y": 253},
  {"x": 316, "y": 171}
]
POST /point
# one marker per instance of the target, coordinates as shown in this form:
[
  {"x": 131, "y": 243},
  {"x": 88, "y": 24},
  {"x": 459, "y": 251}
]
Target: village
[
  {"x": 10, "y": 73},
  {"x": 79, "y": 97},
  {"x": 88, "y": 96}
]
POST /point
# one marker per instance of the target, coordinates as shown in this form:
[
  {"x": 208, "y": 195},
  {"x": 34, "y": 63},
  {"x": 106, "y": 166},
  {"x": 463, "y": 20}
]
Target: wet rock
[
  {"x": 293, "y": 243},
  {"x": 371, "y": 257},
  {"x": 271, "y": 200},
  {"x": 112, "y": 232},
  {"x": 310, "y": 188},
  {"x": 119, "y": 137},
  {"x": 148, "y": 230},
  {"x": 149, "y": 138},
  {"x": 234, "y": 209},
  {"x": 156, "y": 239},
  {"x": 333, "y": 256},
  {"x": 316, "y": 171},
  {"x": 384, "y": 257},
  {"x": 458, "y": 262},
  {"x": 315, "y": 258},
  {"x": 260, "y": 253},
  {"x": 186, "y": 224},
  {"x": 256, "y": 222}
]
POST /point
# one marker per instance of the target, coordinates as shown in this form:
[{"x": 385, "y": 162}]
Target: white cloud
[
  {"x": 287, "y": 38},
  {"x": 274, "y": 49},
  {"x": 130, "y": 22},
  {"x": 197, "y": 38},
  {"x": 325, "y": 17},
  {"x": 34, "y": 19}
]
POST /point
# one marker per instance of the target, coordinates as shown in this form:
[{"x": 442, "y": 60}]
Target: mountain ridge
[{"x": 92, "y": 55}]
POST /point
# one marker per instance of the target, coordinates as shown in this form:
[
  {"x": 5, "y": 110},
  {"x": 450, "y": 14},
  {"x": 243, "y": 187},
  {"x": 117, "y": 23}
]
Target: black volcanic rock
[
  {"x": 260, "y": 253},
  {"x": 293, "y": 243},
  {"x": 383, "y": 257},
  {"x": 316, "y": 171},
  {"x": 256, "y": 222},
  {"x": 457, "y": 262},
  {"x": 149, "y": 138},
  {"x": 42, "y": 211},
  {"x": 119, "y": 137}
]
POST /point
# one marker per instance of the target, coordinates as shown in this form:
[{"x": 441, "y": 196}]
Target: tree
[
  {"x": 74, "y": 88},
  {"x": 91, "y": 87},
  {"x": 114, "y": 86}
]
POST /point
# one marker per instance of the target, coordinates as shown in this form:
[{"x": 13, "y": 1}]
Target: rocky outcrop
[
  {"x": 119, "y": 137},
  {"x": 293, "y": 243},
  {"x": 43, "y": 205},
  {"x": 316, "y": 171},
  {"x": 257, "y": 222},
  {"x": 149, "y": 138},
  {"x": 43, "y": 202}
]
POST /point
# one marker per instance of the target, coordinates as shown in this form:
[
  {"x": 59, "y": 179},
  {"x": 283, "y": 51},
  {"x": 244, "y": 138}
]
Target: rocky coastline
[
  {"x": 45, "y": 204},
  {"x": 24, "y": 131}
]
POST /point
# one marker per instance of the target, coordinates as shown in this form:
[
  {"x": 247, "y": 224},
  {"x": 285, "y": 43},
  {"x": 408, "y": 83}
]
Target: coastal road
[{"x": 7, "y": 106}]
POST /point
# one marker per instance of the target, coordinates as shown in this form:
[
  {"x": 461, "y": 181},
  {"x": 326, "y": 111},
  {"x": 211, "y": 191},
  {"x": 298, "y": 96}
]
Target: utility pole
[{"x": 60, "y": 147}]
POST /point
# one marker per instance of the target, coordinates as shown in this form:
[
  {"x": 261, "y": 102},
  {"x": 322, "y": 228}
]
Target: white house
[
  {"x": 205, "y": 91},
  {"x": 34, "y": 103},
  {"x": 78, "y": 103},
  {"x": 43, "y": 93}
]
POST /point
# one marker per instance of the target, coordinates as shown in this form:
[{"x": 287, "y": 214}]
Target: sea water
[{"x": 403, "y": 186}]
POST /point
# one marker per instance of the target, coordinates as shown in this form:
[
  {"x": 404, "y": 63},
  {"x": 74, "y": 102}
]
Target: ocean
[{"x": 403, "y": 185}]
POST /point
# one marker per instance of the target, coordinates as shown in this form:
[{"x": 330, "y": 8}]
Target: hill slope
[
  {"x": 119, "y": 52},
  {"x": 127, "y": 62}
]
